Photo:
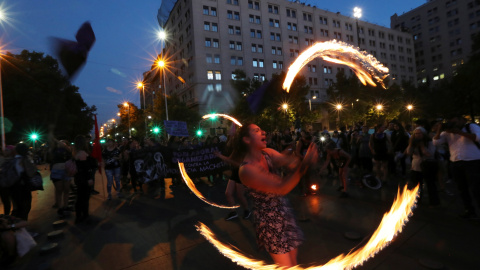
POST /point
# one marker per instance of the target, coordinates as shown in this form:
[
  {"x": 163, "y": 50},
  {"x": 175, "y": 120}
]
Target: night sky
[{"x": 126, "y": 42}]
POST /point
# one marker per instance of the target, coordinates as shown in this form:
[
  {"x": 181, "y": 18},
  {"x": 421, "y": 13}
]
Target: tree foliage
[
  {"x": 271, "y": 115},
  {"x": 177, "y": 111},
  {"x": 38, "y": 98}
]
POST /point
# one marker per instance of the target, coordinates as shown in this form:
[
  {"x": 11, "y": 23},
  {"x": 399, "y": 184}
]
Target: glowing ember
[
  {"x": 195, "y": 191},
  {"x": 213, "y": 115},
  {"x": 364, "y": 65},
  {"x": 391, "y": 224}
]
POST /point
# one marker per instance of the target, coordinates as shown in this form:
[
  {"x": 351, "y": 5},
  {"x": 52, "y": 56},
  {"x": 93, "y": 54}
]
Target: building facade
[
  {"x": 209, "y": 39},
  {"x": 442, "y": 33}
]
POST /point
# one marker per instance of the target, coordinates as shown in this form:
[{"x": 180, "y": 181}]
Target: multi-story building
[
  {"x": 210, "y": 39},
  {"x": 442, "y": 33}
]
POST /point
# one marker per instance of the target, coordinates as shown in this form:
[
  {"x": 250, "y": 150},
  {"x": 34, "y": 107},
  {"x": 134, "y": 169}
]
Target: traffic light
[
  {"x": 199, "y": 133},
  {"x": 34, "y": 136},
  {"x": 156, "y": 130}
]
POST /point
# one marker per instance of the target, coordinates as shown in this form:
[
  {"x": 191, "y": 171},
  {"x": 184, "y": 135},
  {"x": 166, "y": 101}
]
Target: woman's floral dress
[{"x": 274, "y": 221}]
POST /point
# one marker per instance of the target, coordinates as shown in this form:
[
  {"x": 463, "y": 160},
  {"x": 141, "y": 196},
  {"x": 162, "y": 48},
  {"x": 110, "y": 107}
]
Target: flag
[
  {"x": 255, "y": 99},
  {"x": 73, "y": 54},
  {"x": 97, "y": 149}
]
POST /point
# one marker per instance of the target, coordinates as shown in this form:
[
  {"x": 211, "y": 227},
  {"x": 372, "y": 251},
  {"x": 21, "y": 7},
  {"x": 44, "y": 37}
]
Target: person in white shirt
[{"x": 465, "y": 158}]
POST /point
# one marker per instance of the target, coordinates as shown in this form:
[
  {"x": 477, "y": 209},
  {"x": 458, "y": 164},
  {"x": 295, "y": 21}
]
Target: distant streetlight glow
[
  {"x": 357, "y": 12},
  {"x": 338, "y": 107},
  {"x": 129, "y": 129},
  {"x": 285, "y": 106},
  {"x": 379, "y": 107},
  {"x": 409, "y": 107},
  {"x": 162, "y": 35},
  {"x": 161, "y": 63},
  {"x": 141, "y": 85}
]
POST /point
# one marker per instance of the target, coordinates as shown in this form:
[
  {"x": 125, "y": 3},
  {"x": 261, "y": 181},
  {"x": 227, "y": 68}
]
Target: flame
[
  {"x": 391, "y": 224},
  {"x": 195, "y": 191},
  {"x": 364, "y": 65},
  {"x": 313, "y": 187},
  {"x": 213, "y": 115}
]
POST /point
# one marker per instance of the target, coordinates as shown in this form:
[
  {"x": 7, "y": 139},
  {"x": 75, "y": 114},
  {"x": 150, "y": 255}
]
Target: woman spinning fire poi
[{"x": 274, "y": 222}]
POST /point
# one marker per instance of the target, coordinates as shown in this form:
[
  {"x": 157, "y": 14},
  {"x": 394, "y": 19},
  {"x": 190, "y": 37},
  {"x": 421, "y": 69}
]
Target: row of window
[
  {"x": 291, "y": 39},
  {"x": 290, "y": 26}
]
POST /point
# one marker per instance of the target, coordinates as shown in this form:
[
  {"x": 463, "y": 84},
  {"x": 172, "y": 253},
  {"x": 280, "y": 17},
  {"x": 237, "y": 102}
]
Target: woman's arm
[
  {"x": 257, "y": 178},
  {"x": 227, "y": 159},
  {"x": 286, "y": 158}
]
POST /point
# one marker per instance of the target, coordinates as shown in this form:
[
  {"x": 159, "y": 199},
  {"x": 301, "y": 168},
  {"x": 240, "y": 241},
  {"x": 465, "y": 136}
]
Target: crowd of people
[{"x": 266, "y": 166}]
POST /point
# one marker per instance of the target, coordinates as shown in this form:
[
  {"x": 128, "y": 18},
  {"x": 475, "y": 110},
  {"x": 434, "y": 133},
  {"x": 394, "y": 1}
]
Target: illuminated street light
[
  {"x": 129, "y": 130},
  {"x": 161, "y": 64},
  {"x": 357, "y": 13},
  {"x": 3, "y": 17},
  {"x": 310, "y": 102},
  {"x": 379, "y": 107},
  {"x": 162, "y": 35},
  {"x": 409, "y": 108},
  {"x": 285, "y": 106},
  {"x": 338, "y": 107},
  {"x": 142, "y": 85}
]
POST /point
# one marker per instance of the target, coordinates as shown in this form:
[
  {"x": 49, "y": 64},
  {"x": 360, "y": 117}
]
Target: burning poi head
[{"x": 364, "y": 65}]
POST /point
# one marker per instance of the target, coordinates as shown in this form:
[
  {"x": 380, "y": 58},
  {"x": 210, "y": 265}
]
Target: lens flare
[
  {"x": 391, "y": 224},
  {"x": 364, "y": 65},
  {"x": 213, "y": 115},
  {"x": 195, "y": 191}
]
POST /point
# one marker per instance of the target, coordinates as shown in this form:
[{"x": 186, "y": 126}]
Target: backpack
[
  {"x": 8, "y": 173},
  {"x": 70, "y": 168}
]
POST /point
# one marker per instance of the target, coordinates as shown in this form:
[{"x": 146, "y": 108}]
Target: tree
[
  {"x": 359, "y": 102},
  {"x": 271, "y": 115},
  {"x": 179, "y": 111},
  {"x": 130, "y": 118},
  {"x": 37, "y": 97}
]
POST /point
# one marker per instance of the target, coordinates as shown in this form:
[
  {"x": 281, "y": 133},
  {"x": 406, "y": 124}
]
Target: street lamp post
[
  {"x": 114, "y": 128},
  {"x": 142, "y": 85},
  {"x": 409, "y": 108},
  {"x": 161, "y": 65},
  {"x": 338, "y": 107},
  {"x": 357, "y": 13},
  {"x": 285, "y": 107},
  {"x": 128, "y": 116},
  {"x": 310, "y": 102},
  {"x": 379, "y": 107},
  {"x": 1, "y": 107}
]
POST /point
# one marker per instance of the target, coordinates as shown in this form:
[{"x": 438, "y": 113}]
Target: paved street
[{"x": 144, "y": 232}]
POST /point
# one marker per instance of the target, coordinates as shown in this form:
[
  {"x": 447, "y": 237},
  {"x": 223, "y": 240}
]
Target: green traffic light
[
  {"x": 156, "y": 130},
  {"x": 34, "y": 136},
  {"x": 199, "y": 132}
]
